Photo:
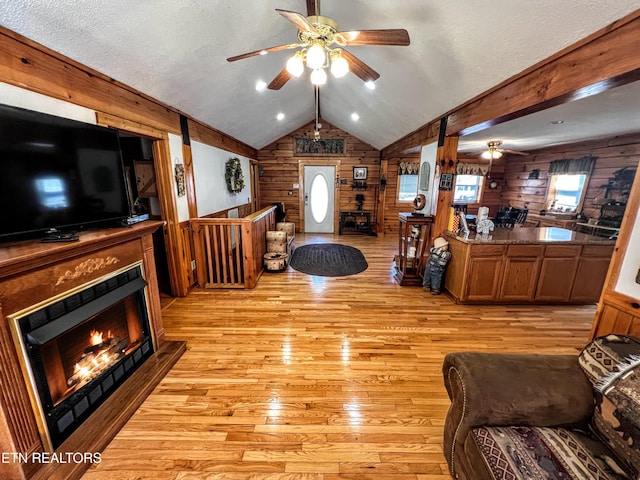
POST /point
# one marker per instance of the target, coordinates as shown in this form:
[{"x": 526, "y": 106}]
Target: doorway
[{"x": 319, "y": 198}]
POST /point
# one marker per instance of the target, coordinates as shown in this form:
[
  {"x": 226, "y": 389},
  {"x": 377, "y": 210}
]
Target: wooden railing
[{"x": 229, "y": 251}]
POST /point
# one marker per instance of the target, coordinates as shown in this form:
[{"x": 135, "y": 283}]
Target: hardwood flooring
[{"x": 318, "y": 378}]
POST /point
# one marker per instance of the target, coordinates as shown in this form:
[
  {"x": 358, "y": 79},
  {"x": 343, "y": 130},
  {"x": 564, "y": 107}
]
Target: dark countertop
[{"x": 527, "y": 235}]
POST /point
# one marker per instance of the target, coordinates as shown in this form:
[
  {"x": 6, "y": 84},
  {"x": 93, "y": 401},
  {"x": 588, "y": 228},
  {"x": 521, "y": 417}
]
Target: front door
[{"x": 319, "y": 198}]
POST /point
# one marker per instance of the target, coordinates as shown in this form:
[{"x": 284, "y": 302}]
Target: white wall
[
  {"x": 175, "y": 150},
  {"x": 211, "y": 189},
  {"x": 428, "y": 156},
  {"x": 18, "y": 97},
  {"x": 627, "y": 280}
]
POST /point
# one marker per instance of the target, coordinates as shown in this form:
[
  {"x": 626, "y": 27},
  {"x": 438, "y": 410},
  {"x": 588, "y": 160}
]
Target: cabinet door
[
  {"x": 484, "y": 278},
  {"x": 519, "y": 278},
  {"x": 590, "y": 279},
  {"x": 145, "y": 179},
  {"x": 556, "y": 279}
]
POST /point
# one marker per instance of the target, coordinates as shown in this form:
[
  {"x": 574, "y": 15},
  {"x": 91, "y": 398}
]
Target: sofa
[{"x": 534, "y": 416}]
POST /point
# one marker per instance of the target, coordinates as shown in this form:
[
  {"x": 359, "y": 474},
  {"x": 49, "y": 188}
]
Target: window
[
  {"x": 407, "y": 187},
  {"x": 468, "y": 188},
  {"x": 566, "y": 191}
]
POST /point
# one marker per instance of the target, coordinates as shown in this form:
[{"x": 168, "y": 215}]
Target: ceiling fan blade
[
  {"x": 361, "y": 69},
  {"x": 299, "y": 20},
  {"x": 266, "y": 50},
  {"x": 278, "y": 82},
  {"x": 398, "y": 36},
  {"x": 514, "y": 152}
]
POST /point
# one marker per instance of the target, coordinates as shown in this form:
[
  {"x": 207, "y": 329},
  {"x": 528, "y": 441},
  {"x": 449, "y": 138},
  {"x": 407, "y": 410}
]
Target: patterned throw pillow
[{"x": 612, "y": 363}]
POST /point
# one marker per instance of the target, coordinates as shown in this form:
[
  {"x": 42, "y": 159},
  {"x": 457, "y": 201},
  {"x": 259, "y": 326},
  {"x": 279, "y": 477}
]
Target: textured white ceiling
[{"x": 176, "y": 50}]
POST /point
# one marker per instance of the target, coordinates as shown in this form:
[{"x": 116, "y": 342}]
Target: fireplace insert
[{"x": 78, "y": 349}]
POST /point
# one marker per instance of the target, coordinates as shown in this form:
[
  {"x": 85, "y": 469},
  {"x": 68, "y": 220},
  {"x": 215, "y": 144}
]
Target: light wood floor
[{"x": 318, "y": 378}]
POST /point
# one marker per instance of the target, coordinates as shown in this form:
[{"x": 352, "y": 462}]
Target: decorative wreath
[{"x": 233, "y": 175}]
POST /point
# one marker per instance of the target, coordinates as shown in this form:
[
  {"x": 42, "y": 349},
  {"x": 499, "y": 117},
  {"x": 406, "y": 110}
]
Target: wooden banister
[{"x": 229, "y": 251}]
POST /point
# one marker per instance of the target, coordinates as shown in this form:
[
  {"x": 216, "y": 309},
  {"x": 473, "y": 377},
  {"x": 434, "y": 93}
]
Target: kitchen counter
[
  {"x": 527, "y": 266},
  {"x": 526, "y": 235}
]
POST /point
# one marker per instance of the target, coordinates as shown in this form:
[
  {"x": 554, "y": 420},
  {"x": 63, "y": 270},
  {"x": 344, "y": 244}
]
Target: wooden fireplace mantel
[{"x": 32, "y": 272}]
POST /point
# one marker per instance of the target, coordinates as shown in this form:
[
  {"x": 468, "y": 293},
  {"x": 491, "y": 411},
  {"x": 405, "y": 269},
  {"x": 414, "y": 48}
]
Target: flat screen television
[{"x": 57, "y": 173}]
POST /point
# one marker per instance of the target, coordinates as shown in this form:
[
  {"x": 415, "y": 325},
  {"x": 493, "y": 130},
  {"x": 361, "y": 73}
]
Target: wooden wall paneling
[
  {"x": 382, "y": 197},
  {"x": 280, "y": 167},
  {"x": 612, "y": 155},
  {"x": 392, "y": 207}
]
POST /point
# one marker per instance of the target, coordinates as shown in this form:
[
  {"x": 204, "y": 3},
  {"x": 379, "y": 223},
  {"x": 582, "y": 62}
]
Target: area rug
[{"x": 328, "y": 260}]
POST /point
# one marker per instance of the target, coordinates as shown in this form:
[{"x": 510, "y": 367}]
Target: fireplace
[{"x": 80, "y": 346}]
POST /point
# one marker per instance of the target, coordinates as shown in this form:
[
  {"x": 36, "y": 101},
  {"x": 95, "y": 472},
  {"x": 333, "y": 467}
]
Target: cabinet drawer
[
  {"x": 524, "y": 250},
  {"x": 597, "y": 250},
  {"x": 486, "y": 250},
  {"x": 562, "y": 251}
]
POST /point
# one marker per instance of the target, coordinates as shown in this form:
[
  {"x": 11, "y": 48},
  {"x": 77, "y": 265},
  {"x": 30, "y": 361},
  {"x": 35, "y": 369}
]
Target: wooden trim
[
  {"x": 113, "y": 121},
  {"x": 202, "y": 133},
  {"x": 166, "y": 195},
  {"x": 190, "y": 181},
  {"x": 445, "y": 161}
]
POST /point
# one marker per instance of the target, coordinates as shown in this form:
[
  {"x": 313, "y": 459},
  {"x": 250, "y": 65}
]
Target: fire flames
[{"x": 98, "y": 356}]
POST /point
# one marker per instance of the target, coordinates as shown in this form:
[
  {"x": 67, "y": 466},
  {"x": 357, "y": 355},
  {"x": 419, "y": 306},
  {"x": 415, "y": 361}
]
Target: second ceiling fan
[{"x": 321, "y": 45}]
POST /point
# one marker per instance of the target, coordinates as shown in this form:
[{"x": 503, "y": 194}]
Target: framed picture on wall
[{"x": 359, "y": 173}]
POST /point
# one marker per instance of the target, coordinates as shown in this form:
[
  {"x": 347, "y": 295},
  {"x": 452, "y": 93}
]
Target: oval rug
[{"x": 328, "y": 260}]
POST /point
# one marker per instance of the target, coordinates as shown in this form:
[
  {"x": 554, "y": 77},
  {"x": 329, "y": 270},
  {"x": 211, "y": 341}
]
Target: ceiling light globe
[
  {"x": 295, "y": 66},
  {"x": 319, "y": 77},
  {"x": 486, "y": 155},
  {"x": 339, "y": 67},
  {"x": 315, "y": 57}
]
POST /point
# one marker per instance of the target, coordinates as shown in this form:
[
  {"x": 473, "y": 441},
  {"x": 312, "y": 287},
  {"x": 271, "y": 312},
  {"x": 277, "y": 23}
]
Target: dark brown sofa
[{"x": 501, "y": 404}]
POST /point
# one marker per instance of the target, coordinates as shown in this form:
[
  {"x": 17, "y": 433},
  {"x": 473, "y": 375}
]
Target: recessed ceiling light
[
  {"x": 557, "y": 122},
  {"x": 280, "y": 116},
  {"x": 355, "y": 117},
  {"x": 370, "y": 85},
  {"x": 261, "y": 85}
]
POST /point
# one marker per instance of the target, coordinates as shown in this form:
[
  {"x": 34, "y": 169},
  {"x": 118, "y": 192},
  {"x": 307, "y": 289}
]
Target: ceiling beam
[{"x": 606, "y": 59}]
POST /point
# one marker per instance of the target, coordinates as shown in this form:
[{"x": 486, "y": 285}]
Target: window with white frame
[
  {"x": 566, "y": 191},
  {"x": 568, "y": 180},
  {"x": 468, "y": 188},
  {"x": 407, "y": 187}
]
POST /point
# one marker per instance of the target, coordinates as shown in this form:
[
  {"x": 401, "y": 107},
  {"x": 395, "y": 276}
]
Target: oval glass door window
[{"x": 319, "y": 198}]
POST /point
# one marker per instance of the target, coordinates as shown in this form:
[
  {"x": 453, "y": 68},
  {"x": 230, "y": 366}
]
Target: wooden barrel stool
[{"x": 275, "y": 261}]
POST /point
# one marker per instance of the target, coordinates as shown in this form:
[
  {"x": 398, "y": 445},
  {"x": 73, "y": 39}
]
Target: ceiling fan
[
  {"x": 321, "y": 45},
  {"x": 494, "y": 151}
]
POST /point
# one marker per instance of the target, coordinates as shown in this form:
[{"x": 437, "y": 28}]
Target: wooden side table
[
  {"x": 358, "y": 221},
  {"x": 413, "y": 243}
]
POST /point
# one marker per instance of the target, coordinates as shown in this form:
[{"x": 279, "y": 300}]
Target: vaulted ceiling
[{"x": 176, "y": 51}]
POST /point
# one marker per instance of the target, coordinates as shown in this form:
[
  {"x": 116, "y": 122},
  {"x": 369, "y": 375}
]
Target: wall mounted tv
[{"x": 57, "y": 173}]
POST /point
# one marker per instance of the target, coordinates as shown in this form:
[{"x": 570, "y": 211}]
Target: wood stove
[{"x": 78, "y": 349}]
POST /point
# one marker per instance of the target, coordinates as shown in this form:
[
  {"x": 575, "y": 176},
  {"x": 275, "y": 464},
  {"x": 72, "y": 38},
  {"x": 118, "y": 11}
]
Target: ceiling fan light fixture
[
  {"x": 339, "y": 65},
  {"x": 318, "y": 76},
  {"x": 316, "y": 57},
  {"x": 295, "y": 65},
  {"x": 491, "y": 154}
]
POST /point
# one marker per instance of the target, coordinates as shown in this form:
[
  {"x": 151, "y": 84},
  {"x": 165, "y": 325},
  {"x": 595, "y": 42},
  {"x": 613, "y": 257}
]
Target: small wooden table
[
  {"x": 355, "y": 222},
  {"x": 413, "y": 242}
]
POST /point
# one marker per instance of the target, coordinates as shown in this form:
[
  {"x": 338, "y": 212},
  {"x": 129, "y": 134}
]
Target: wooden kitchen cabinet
[
  {"x": 558, "y": 273},
  {"x": 520, "y": 275},
  {"x": 528, "y": 266}
]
